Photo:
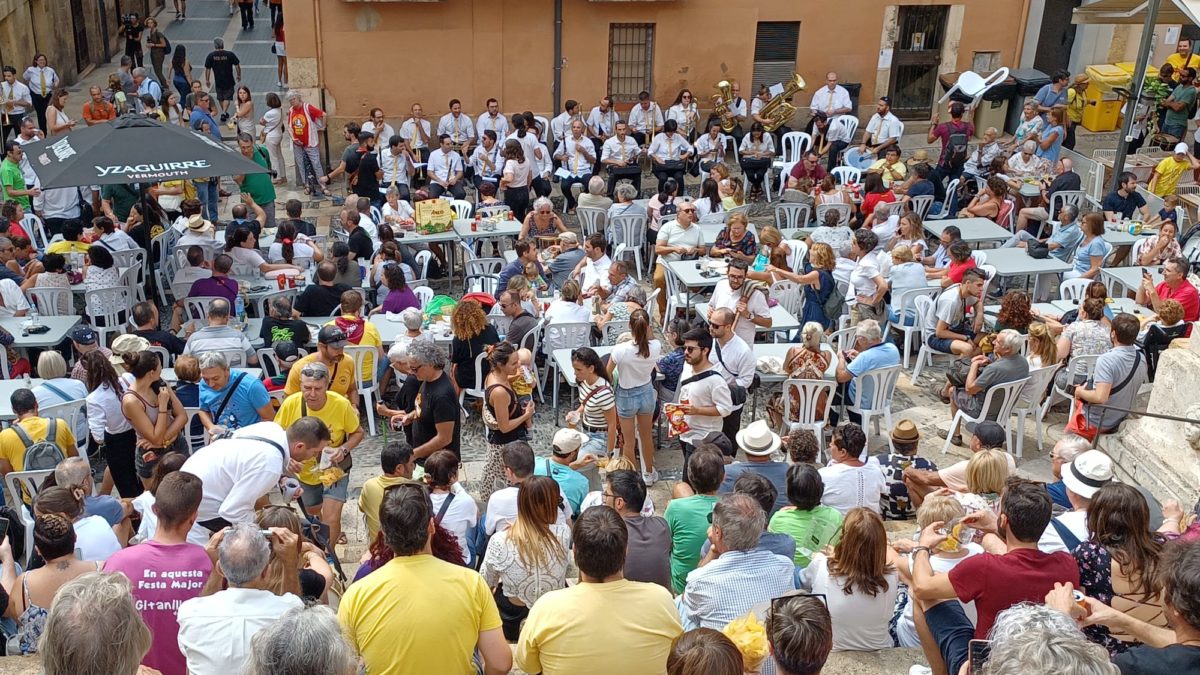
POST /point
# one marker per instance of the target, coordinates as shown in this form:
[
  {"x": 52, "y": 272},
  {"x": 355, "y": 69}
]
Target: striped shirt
[{"x": 596, "y": 406}]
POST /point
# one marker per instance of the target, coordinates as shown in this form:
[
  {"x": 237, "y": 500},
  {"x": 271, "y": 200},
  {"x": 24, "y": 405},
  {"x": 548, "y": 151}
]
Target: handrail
[{"x": 1104, "y": 406}]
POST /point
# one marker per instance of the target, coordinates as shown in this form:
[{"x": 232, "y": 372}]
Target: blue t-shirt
[
  {"x": 776, "y": 472},
  {"x": 1083, "y": 255},
  {"x": 243, "y": 406},
  {"x": 1067, "y": 237},
  {"x": 1058, "y": 494},
  {"x": 1125, "y": 206},
  {"x": 1051, "y": 154},
  {"x": 104, "y": 506},
  {"x": 572, "y": 483},
  {"x": 921, "y": 188},
  {"x": 879, "y": 356},
  {"x": 1048, "y": 98}
]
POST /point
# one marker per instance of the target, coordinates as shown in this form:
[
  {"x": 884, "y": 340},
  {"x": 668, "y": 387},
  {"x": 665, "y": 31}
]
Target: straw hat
[
  {"x": 919, "y": 157},
  {"x": 757, "y": 439}
]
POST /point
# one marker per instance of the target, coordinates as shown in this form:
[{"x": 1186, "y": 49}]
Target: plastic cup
[{"x": 572, "y": 418}]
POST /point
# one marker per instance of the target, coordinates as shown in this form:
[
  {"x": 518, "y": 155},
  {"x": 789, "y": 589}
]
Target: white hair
[
  {"x": 812, "y": 334},
  {"x": 1011, "y": 340},
  {"x": 412, "y": 318},
  {"x": 596, "y": 185},
  {"x": 75, "y": 642},
  {"x": 868, "y": 329},
  {"x": 1030, "y": 638},
  {"x": 1029, "y": 146},
  {"x": 304, "y": 640},
  {"x": 543, "y": 203},
  {"x": 1071, "y": 446},
  {"x": 244, "y": 553},
  {"x": 740, "y": 519},
  {"x": 213, "y": 360}
]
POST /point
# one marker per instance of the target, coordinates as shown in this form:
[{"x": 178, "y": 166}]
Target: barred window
[{"x": 630, "y": 60}]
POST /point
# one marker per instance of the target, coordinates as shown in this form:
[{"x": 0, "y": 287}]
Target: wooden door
[{"x": 915, "y": 59}]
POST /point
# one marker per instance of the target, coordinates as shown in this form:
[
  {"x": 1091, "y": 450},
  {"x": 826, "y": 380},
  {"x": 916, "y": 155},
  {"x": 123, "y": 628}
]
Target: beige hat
[
  {"x": 197, "y": 223},
  {"x": 568, "y": 237},
  {"x": 567, "y": 441},
  {"x": 126, "y": 344},
  {"x": 919, "y": 157}
]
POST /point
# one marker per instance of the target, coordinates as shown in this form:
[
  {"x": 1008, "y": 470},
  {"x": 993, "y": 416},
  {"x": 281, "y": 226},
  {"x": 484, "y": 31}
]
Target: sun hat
[
  {"x": 1087, "y": 473},
  {"x": 757, "y": 440}
]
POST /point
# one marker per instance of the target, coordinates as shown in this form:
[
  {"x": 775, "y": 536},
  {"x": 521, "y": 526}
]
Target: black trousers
[
  {"x": 599, "y": 145},
  {"x": 511, "y": 615},
  {"x": 839, "y": 396},
  {"x": 40, "y": 103},
  {"x": 566, "y": 183},
  {"x": 542, "y": 187},
  {"x": 457, "y": 190},
  {"x": 133, "y": 49},
  {"x": 639, "y": 136},
  {"x": 517, "y": 199},
  {"x": 633, "y": 174},
  {"x": 756, "y": 170},
  {"x": 118, "y": 452},
  {"x": 276, "y": 13},
  {"x": 731, "y": 425},
  {"x": 835, "y": 149},
  {"x": 247, "y": 10},
  {"x": 1069, "y": 141},
  {"x": 13, "y": 126},
  {"x": 662, "y": 173}
]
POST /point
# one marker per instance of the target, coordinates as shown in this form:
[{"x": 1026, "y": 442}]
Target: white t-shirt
[
  {"x": 246, "y": 256},
  {"x": 862, "y": 279},
  {"x": 521, "y": 172},
  {"x": 635, "y": 370},
  {"x": 14, "y": 299},
  {"x": 726, "y": 297},
  {"x": 501, "y": 511},
  {"x": 1075, "y": 521},
  {"x": 95, "y": 539},
  {"x": 673, "y": 234},
  {"x": 950, "y": 308},
  {"x": 906, "y": 630},
  {"x": 860, "y": 621},
  {"x": 460, "y": 517},
  {"x": 709, "y": 391},
  {"x": 299, "y": 250},
  {"x": 595, "y": 272},
  {"x": 886, "y": 231},
  {"x": 849, "y": 487},
  {"x": 568, "y": 312}
]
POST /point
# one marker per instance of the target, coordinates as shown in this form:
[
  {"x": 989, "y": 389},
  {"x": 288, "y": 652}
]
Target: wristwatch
[{"x": 921, "y": 548}]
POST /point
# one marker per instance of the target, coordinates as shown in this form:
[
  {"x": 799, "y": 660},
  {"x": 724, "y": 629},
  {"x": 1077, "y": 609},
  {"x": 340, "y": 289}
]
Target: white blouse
[{"x": 503, "y": 565}]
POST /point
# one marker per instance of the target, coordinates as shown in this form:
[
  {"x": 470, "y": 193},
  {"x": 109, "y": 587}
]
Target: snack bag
[
  {"x": 750, "y": 636},
  {"x": 676, "y": 420},
  {"x": 331, "y": 475}
]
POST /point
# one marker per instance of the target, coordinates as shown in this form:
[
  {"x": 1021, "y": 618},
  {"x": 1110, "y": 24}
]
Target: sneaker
[
  {"x": 224, "y": 118},
  {"x": 650, "y": 477},
  {"x": 920, "y": 670},
  {"x": 957, "y": 440}
]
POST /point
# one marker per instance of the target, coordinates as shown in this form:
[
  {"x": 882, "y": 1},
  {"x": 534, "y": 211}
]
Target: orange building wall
[{"x": 391, "y": 54}]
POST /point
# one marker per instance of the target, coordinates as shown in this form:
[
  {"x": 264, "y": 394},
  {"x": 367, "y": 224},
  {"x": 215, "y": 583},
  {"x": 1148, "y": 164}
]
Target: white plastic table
[
  {"x": 688, "y": 274},
  {"x": 1123, "y": 280},
  {"x": 974, "y": 230},
  {"x": 1015, "y": 262},
  {"x": 59, "y": 327},
  {"x": 7, "y": 387}
]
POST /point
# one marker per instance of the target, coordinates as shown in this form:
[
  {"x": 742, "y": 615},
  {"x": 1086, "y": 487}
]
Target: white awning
[{"x": 1133, "y": 11}]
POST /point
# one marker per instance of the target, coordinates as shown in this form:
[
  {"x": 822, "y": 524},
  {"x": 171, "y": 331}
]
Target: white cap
[
  {"x": 567, "y": 441},
  {"x": 1181, "y": 148}
]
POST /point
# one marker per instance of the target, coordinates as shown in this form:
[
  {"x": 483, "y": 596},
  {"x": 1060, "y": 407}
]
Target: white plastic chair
[
  {"x": 368, "y": 388},
  {"x": 565, "y": 335},
  {"x": 846, "y": 174},
  {"x": 462, "y": 208},
  {"x": 1007, "y": 393},
  {"x": 424, "y": 294},
  {"x": 612, "y": 330},
  {"x": 51, "y": 301},
  {"x": 632, "y": 230},
  {"x": 882, "y": 385},
  {"x": 591, "y": 220},
  {"x": 482, "y": 275},
  {"x": 844, "y": 213},
  {"x": 794, "y": 144},
  {"x": 905, "y": 307},
  {"x": 924, "y": 307},
  {"x": 264, "y": 302},
  {"x": 107, "y": 309},
  {"x": 19, "y": 484},
  {"x": 792, "y": 215},
  {"x": 921, "y": 204},
  {"x": 477, "y": 390},
  {"x": 1030, "y": 403},
  {"x": 1073, "y": 290},
  {"x": 37, "y": 231},
  {"x": 200, "y": 439},
  {"x": 74, "y": 413},
  {"x": 422, "y": 259},
  {"x": 1079, "y": 368},
  {"x": 944, "y": 212},
  {"x": 789, "y": 295},
  {"x": 676, "y": 297},
  {"x": 974, "y": 85},
  {"x": 197, "y": 307},
  {"x": 841, "y": 340},
  {"x": 802, "y": 396},
  {"x": 979, "y": 257},
  {"x": 849, "y": 123},
  {"x": 134, "y": 259}
]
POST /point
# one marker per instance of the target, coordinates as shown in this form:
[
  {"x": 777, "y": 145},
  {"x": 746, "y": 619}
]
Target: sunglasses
[
  {"x": 687, "y": 210},
  {"x": 693, "y": 348}
]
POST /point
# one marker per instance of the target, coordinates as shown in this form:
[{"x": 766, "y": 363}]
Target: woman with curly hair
[
  {"x": 1016, "y": 312},
  {"x": 472, "y": 334},
  {"x": 33, "y": 592}
]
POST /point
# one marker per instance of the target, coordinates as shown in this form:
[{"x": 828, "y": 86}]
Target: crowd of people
[{"x": 218, "y": 552}]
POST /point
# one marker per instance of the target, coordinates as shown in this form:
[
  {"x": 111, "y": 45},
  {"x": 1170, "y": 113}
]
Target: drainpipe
[
  {"x": 558, "y": 56},
  {"x": 320, "y": 80},
  {"x": 1024, "y": 26}
]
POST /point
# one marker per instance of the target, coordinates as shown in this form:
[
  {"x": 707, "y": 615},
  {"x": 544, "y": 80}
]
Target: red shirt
[
  {"x": 997, "y": 582},
  {"x": 872, "y": 198},
  {"x": 955, "y": 270},
  {"x": 1185, "y": 295},
  {"x": 817, "y": 174}
]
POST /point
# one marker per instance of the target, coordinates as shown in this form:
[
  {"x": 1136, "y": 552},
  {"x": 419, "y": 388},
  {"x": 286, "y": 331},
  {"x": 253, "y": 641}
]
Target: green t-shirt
[
  {"x": 1186, "y": 95},
  {"x": 688, "y": 520},
  {"x": 258, "y": 185},
  {"x": 123, "y": 197},
  {"x": 812, "y": 530},
  {"x": 13, "y": 179}
]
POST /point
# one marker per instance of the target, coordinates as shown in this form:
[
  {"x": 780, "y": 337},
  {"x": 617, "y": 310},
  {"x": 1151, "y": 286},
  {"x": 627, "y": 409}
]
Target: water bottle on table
[{"x": 240, "y": 311}]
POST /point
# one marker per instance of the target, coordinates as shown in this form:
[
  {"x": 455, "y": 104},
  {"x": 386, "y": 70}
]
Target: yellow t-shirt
[
  {"x": 370, "y": 338},
  {"x": 899, "y": 167},
  {"x": 418, "y": 615},
  {"x": 13, "y": 450},
  {"x": 371, "y": 498},
  {"x": 341, "y": 376},
  {"x": 1075, "y": 105},
  {"x": 1177, "y": 62},
  {"x": 63, "y": 247},
  {"x": 559, "y": 635},
  {"x": 337, "y": 414},
  {"x": 1169, "y": 172}
]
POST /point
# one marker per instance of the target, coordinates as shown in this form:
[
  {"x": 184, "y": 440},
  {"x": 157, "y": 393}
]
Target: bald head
[{"x": 723, "y": 315}]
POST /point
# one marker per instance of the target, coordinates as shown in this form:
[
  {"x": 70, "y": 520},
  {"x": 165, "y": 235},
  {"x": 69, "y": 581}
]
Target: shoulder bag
[
  {"x": 737, "y": 393},
  {"x": 1079, "y": 424}
]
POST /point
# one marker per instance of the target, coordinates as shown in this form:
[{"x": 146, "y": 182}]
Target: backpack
[
  {"x": 166, "y": 42},
  {"x": 43, "y": 455},
  {"x": 956, "y": 148}
]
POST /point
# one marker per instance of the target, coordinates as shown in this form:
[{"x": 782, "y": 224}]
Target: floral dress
[
  {"x": 806, "y": 365},
  {"x": 1095, "y": 580},
  {"x": 746, "y": 245}
]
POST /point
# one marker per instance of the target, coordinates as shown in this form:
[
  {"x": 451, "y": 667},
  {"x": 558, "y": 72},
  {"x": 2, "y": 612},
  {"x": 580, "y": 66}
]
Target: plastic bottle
[
  {"x": 240, "y": 310},
  {"x": 34, "y": 317}
]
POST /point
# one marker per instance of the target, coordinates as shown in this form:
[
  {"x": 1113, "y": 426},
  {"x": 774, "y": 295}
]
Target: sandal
[{"x": 939, "y": 391}]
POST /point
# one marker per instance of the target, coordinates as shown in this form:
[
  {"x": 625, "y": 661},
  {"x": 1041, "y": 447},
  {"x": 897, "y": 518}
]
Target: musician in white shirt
[
  {"x": 576, "y": 155},
  {"x": 684, "y": 112},
  {"x": 397, "y": 165},
  {"x": 737, "y": 111},
  {"x": 486, "y": 162},
  {"x": 756, "y": 152},
  {"x": 493, "y": 120},
  {"x": 832, "y": 99},
  {"x": 601, "y": 122},
  {"x": 380, "y": 128},
  {"x": 829, "y": 139},
  {"x": 645, "y": 119},
  {"x": 17, "y": 100},
  {"x": 669, "y": 152},
  {"x": 418, "y": 132},
  {"x": 882, "y": 130},
  {"x": 446, "y": 170},
  {"x": 620, "y": 155},
  {"x": 457, "y": 125},
  {"x": 543, "y": 171},
  {"x": 560, "y": 126},
  {"x": 710, "y": 148}
]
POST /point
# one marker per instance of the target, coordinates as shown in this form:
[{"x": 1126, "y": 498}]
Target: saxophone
[
  {"x": 721, "y": 108},
  {"x": 778, "y": 110}
]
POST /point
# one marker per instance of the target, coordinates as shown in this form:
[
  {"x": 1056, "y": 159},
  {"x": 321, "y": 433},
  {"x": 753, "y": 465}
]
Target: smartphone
[
  {"x": 978, "y": 652},
  {"x": 266, "y": 533},
  {"x": 1146, "y": 273}
]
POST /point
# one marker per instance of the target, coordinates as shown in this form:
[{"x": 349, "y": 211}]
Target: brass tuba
[
  {"x": 778, "y": 110},
  {"x": 721, "y": 102}
]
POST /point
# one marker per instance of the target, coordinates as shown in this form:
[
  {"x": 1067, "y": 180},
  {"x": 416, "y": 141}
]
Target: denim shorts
[
  {"x": 596, "y": 445},
  {"x": 943, "y": 344},
  {"x": 952, "y": 631},
  {"x": 315, "y": 494},
  {"x": 636, "y": 401}
]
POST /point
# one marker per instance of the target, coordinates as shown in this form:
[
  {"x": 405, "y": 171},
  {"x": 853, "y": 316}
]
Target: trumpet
[
  {"x": 721, "y": 108},
  {"x": 778, "y": 110}
]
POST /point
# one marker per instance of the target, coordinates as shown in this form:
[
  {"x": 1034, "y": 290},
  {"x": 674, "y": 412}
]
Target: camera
[{"x": 130, "y": 21}]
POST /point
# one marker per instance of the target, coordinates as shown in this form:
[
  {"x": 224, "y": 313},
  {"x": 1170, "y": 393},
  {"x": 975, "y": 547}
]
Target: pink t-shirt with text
[{"x": 163, "y": 576}]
